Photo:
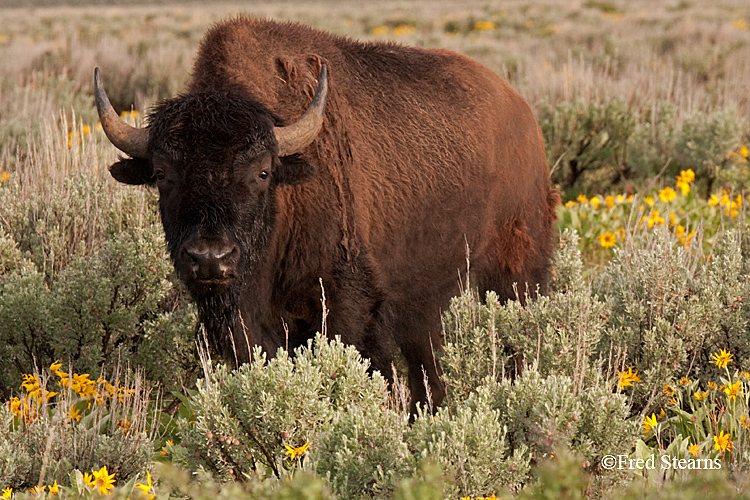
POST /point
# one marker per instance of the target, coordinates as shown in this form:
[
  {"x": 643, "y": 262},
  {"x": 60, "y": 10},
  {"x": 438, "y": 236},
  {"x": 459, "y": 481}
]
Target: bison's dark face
[{"x": 217, "y": 161}]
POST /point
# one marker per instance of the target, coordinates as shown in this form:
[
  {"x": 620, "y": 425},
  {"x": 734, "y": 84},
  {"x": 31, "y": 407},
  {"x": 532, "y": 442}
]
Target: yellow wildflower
[
  {"x": 620, "y": 198},
  {"x": 165, "y": 450},
  {"x": 668, "y": 390},
  {"x": 484, "y": 26},
  {"x": 654, "y": 219},
  {"x": 570, "y": 204},
  {"x": 711, "y": 385},
  {"x": 649, "y": 423},
  {"x": 7, "y": 492},
  {"x": 294, "y": 452},
  {"x": 679, "y": 230},
  {"x": 123, "y": 393},
  {"x": 733, "y": 390},
  {"x": 37, "y": 489},
  {"x": 54, "y": 489},
  {"x": 82, "y": 385},
  {"x": 683, "y": 186},
  {"x": 146, "y": 488},
  {"x": 694, "y": 449},
  {"x": 667, "y": 194},
  {"x": 123, "y": 424},
  {"x": 687, "y": 175},
  {"x": 714, "y": 200},
  {"x": 627, "y": 378},
  {"x": 17, "y": 406},
  {"x": 103, "y": 481},
  {"x": 744, "y": 422},
  {"x": 595, "y": 202},
  {"x": 88, "y": 478},
  {"x": 685, "y": 240},
  {"x": 74, "y": 414},
  {"x": 607, "y": 239},
  {"x": 403, "y": 29},
  {"x": 723, "y": 358},
  {"x": 722, "y": 442},
  {"x": 380, "y": 30},
  {"x": 582, "y": 198},
  {"x": 684, "y": 381},
  {"x": 609, "y": 201},
  {"x": 30, "y": 383},
  {"x": 700, "y": 396},
  {"x": 744, "y": 152},
  {"x": 649, "y": 200}
]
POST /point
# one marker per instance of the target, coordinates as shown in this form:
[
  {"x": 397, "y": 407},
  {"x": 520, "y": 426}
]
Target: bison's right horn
[
  {"x": 131, "y": 140},
  {"x": 295, "y": 137}
]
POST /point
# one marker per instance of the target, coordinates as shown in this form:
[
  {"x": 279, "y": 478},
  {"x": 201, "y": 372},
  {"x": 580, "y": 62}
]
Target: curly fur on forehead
[{"x": 211, "y": 125}]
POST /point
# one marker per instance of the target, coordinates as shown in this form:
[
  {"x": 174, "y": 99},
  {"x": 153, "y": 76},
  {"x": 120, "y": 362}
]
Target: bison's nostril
[
  {"x": 228, "y": 253},
  {"x": 208, "y": 262}
]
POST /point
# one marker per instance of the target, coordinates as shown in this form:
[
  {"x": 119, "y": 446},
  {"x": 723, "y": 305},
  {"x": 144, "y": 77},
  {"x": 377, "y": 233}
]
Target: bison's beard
[{"x": 226, "y": 332}]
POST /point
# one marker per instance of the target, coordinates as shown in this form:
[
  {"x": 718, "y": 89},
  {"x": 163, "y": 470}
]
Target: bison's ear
[
  {"x": 294, "y": 170},
  {"x": 134, "y": 171}
]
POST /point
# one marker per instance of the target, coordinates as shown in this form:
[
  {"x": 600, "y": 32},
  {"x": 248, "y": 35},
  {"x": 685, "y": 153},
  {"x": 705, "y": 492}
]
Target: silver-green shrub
[
  {"x": 470, "y": 442},
  {"x": 364, "y": 453},
  {"x": 247, "y": 421},
  {"x": 84, "y": 273},
  {"x": 245, "y": 418},
  {"x": 672, "y": 308}
]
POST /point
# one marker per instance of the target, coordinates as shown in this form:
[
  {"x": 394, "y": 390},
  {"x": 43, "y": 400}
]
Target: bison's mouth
[{"x": 210, "y": 286}]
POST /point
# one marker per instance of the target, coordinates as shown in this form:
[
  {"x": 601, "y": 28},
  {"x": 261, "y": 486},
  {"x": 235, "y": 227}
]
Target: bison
[{"x": 297, "y": 157}]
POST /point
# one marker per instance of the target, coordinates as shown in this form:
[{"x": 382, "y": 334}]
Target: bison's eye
[
  {"x": 159, "y": 175},
  {"x": 263, "y": 175}
]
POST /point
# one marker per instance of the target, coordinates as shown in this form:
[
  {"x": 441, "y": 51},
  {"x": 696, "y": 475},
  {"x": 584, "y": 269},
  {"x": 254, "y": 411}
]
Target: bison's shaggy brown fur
[{"x": 421, "y": 154}]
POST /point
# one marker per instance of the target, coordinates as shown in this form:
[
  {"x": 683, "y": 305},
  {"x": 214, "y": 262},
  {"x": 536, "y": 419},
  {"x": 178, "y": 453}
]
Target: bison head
[{"x": 217, "y": 160}]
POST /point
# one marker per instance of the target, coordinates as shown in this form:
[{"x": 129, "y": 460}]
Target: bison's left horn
[
  {"x": 295, "y": 137},
  {"x": 131, "y": 140}
]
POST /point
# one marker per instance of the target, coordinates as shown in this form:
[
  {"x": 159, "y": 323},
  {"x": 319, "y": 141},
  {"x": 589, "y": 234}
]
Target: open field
[{"x": 641, "y": 349}]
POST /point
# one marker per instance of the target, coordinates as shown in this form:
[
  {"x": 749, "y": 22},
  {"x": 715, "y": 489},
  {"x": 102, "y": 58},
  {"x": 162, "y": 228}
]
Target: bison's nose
[{"x": 212, "y": 261}]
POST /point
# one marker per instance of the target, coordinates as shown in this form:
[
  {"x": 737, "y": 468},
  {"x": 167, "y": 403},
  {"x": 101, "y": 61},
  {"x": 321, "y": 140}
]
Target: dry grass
[{"x": 694, "y": 54}]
